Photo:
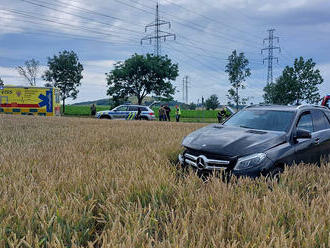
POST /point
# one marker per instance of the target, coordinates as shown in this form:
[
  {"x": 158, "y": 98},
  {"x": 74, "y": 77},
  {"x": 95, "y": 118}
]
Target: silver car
[{"x": 127, "y": 112}]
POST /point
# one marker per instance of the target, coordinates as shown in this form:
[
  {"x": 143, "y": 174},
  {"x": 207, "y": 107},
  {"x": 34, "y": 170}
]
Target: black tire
[{"x": 105, "y": 117}]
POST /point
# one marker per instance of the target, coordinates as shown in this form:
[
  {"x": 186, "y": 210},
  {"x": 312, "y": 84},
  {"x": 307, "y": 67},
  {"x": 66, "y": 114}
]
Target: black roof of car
[{"x": 285, "y": 107}]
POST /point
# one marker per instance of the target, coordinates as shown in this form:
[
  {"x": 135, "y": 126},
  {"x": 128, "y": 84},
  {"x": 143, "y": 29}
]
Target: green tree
[
  {"x": 238, "y": 70},
  {"x": 142, "y": 75},
  {"x": 296, "y": 84},
  {"x": 118, "y": 101},
  {"x": 233, "y": 96},
  {"x": 1, "y": 82},
  {"x": 65, "y": 72},
  {"x": 212, "y": 102},
  {"x": 30, "y": 71}
]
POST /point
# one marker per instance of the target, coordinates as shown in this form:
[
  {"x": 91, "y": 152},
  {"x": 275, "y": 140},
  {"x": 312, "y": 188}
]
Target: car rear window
[{"x": 133, "y": 108}]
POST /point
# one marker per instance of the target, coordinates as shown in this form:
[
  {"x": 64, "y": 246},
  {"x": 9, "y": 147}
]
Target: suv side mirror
[{"x": 302, "y": 134}]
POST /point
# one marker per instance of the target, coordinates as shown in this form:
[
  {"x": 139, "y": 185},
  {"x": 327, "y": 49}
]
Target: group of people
[{"x": 164, "y": 113}]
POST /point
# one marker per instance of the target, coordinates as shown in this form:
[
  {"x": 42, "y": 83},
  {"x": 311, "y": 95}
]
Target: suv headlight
[{"x": 249, "y": 161}]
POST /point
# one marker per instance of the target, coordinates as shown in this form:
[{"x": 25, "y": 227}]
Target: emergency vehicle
[
  {"x": 326, "y": 101},
  {"x": 20, "y": 100}
]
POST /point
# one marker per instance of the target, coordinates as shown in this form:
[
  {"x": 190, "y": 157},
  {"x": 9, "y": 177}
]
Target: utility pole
[
  {"x": 187, "y": 85},
  {"x": 183, "y": 89},
  {"x": 159, "y": 35},
  {"x": 270, "y": 50}
]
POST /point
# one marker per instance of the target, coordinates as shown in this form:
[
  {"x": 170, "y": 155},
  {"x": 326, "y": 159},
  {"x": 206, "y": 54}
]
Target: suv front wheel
[{"x": 275, "y": 173}]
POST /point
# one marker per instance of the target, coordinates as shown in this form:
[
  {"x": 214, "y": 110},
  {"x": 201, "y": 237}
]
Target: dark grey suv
[{"x": 260, "y": 140}]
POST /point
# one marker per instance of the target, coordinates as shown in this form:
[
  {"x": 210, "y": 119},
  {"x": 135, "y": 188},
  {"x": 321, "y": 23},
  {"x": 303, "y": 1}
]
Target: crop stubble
[{"x": 69, "y": 182}]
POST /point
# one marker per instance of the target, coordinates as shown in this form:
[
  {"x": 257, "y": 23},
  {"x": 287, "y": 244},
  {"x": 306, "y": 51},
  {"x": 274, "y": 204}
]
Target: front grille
[{"x": 207, "y": 161}]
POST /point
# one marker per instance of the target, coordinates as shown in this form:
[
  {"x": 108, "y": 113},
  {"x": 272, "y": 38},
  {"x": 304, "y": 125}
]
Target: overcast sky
[{"x": 103, "y": 32}]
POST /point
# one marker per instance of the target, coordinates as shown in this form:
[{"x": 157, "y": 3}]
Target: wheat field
[{"x": 70, "y": 182}]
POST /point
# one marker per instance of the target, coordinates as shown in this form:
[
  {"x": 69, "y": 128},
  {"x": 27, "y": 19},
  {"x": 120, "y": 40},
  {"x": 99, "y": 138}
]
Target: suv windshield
[{"x": 270, "y": 120}]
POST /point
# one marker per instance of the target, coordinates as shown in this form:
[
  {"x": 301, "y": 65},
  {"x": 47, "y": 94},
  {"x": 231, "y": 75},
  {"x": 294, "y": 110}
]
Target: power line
[
  {"x": 30, "y": 15},
  {"x": 129, "y": 5},
  {"x": 79, "y": 16},
  {"x": 63, "y": 35},
  {"x": 194, "y": 26},
  {"x": 65, "y": 4},
  {"x": 196, "y": 61},
  {"x": 270, "y": 50},
  {"x": 158, "y": 33},
  {"x": 211, "y": 19}
]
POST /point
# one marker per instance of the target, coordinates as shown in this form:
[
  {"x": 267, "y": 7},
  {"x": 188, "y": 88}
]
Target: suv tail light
[{"x": 151, "y": 114}]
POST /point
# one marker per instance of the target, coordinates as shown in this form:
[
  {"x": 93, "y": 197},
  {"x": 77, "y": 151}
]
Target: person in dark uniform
[
  {"x": 224, "y": 113},
  {"x": 219, "y": 116},
  {"x": 167, "y": 111},
  {"x": 161, "y": 113},
  {"x": 93, "y": 110},
  {"x": 138, "y": 115}
]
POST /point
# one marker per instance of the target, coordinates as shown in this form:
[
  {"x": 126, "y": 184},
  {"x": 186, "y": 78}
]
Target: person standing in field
[
  {"x": 161, "y": 113},
  {"x": 138, "y": 115},
  {"x": 93, "y": 110},
  {"x": 225, "y": 113},
  {"x": 177, "y": 113},
  {"x": 219, "y": 116},
  {"x": 167, "y": 112}
]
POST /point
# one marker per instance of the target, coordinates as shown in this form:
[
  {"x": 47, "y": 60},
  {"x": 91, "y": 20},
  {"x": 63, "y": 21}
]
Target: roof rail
[
  {"x": 311, "y": 105},
  {"x": 255, "y": 105}
]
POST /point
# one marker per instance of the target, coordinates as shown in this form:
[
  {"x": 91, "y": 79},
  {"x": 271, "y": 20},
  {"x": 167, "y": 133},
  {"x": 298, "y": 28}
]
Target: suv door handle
[{"x": 316, "y": 141}]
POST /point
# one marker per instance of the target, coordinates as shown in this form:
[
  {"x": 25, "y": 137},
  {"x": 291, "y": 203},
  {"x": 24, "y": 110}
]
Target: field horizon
[{"x": 83, "y": 182}]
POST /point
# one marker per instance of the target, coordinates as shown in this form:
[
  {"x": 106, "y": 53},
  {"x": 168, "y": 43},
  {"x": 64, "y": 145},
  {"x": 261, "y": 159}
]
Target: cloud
[
  {"x": 206, "y": 34},
  {"x": 325, "y": 73},
  {"x": 107, "y": 64}
]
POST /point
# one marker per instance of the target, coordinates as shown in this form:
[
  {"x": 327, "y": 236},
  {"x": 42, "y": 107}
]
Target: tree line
[
  {"x": 64, "y": 72},
  {"x": 142, "y": 75},
  {"x": 297, "y": 84}
]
